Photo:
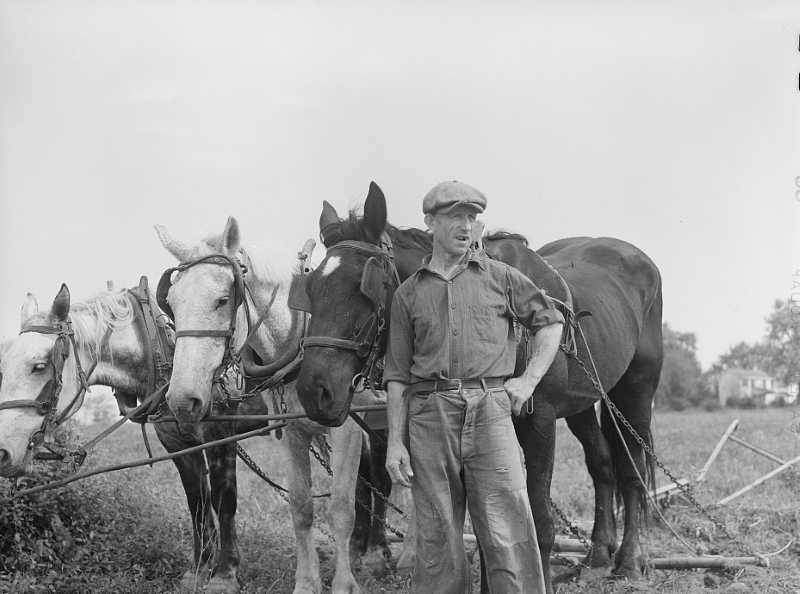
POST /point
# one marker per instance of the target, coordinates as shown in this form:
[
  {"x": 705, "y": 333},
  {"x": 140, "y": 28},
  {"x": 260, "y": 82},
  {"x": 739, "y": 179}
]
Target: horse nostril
[
  {"x": 325, "y": 398},
  {"x": 5, "y": 457}
]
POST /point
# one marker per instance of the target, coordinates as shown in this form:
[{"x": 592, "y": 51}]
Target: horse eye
[
  {"x": 38, "y": 367},
  {"x": 222, "y": 302}
]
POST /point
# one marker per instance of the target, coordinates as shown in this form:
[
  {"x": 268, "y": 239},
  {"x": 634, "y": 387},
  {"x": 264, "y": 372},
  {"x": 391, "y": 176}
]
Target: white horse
[
  {"x": 205, "y": 298},
  {"x": 108, "y": 332}
]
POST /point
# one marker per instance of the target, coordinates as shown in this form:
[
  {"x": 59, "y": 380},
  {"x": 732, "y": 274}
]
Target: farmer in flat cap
[{"x": 450, "y": 400}]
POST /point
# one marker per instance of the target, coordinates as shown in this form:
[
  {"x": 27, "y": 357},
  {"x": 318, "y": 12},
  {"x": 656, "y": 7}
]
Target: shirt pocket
[
  {"x": 429, "y": 331},
  {"x": 488, "y": 324}
]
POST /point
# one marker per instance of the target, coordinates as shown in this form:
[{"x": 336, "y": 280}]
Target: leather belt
[{"x": 458, "y": 384}]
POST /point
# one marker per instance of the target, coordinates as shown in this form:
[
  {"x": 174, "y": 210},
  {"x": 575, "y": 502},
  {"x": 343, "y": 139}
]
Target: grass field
[{"x": 129, "y": 531}]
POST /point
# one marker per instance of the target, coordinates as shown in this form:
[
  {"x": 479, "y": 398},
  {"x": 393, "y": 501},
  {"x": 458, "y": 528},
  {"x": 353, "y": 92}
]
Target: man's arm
[
  {"x": 544, "y": 346},
  {"x": 398, "y": 462}
]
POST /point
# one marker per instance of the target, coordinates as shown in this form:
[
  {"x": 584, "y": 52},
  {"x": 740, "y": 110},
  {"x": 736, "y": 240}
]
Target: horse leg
[
  {"x": 378, "y": 555},
  {"x": 537, "y": 437},
  {"x": 360, "y": 538},
  {"x": 597, "y": 454},
  {"x": 222, "y": 466},
  {"x": 633, "y": 396},
  {"x": 346, "y": 443},
  {"x": 192, "y": 470},
  {"x": 296, "y": 442}
]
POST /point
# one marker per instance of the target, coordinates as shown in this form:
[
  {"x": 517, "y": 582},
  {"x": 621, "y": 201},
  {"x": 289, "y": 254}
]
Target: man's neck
[{"x": 446, "y": 264}]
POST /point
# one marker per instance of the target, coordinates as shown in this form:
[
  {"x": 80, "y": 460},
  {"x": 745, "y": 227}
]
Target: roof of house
[{"x": 746, "y": 373}]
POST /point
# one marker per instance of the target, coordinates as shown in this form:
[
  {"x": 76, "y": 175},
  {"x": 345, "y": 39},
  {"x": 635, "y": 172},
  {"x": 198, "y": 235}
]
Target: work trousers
[{"x": 464, "y": 454}]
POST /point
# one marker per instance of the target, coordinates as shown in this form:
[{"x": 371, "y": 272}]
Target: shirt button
[
  {"x": 453, "y": 306},
  {"x": 449, "y": 282},
  {"x": 455, "y": 331}
]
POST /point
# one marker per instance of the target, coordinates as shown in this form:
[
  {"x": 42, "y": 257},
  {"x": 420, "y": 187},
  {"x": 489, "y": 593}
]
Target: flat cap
[{"x": 448, "y": 194}]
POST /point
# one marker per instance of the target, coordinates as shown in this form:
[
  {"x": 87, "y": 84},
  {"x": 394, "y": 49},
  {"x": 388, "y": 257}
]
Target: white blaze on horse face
[{"x": 332, "y": 264}]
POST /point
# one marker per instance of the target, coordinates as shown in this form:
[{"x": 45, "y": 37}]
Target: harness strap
[{"x": 82, "y": 452}]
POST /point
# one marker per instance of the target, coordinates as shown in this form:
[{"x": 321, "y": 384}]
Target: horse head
[
  {"x": 209, "y": 295},
  {"x": 34, "y": 370},
  {"x": 349, "y": 295}
]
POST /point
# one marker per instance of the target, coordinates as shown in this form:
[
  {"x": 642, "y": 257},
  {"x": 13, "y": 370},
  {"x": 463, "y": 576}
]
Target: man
[{"x": 451, "y": 352}]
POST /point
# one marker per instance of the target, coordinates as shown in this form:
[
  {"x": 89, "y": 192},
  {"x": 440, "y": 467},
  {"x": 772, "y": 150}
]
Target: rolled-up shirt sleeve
[
  {"x": 399, "y": 353},
  {"x": 528, "y": 304}
]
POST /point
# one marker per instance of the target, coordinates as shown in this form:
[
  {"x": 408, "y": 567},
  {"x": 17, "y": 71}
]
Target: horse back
[{"x": 613, "y": 280}]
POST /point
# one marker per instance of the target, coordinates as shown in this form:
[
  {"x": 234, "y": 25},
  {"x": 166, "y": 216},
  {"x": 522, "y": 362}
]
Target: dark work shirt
[{"x": 462, "y": 328}]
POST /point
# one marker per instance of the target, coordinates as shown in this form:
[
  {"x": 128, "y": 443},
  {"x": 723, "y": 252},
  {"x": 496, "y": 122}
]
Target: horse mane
[
  {"x": 353, "y": 229},
  {"x": 91, "y": 318},
  {"x": 503, "y": 234},
  {"x": 265, "y": 263}
]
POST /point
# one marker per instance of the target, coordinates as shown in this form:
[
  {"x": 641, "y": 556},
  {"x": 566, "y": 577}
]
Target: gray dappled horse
[
  {"x": 109, "y": 333},
  {"x": 349, "y": 296},
  {"x": 220, "y": 294}
]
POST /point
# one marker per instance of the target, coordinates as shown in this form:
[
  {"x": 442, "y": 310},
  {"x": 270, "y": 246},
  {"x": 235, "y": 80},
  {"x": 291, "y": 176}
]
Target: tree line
[{"x": 683, "y": 383}]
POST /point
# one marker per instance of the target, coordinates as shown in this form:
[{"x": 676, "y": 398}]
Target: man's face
[{"x": 452, "y": 231}]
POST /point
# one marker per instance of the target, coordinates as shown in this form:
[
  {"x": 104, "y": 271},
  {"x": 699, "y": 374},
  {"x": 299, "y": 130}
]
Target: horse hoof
[
  {"x": 375, "y": 561},
  {"x": 193, "y": 581},
  {"x": 223, "y": 585}
]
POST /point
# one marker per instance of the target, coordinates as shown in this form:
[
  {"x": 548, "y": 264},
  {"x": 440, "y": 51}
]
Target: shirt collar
[{"x": 472, "y": 257}]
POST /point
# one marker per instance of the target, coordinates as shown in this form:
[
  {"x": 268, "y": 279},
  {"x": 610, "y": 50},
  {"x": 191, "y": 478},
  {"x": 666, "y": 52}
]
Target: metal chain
[
  {"x": 372, "y": 514},
  {"x": 572, "y": 527},
  {"x": 683, "y": 488}
]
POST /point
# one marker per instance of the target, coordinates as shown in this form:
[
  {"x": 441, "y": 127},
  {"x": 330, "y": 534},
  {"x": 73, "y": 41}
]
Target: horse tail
[{"x": 623, "y": 472}]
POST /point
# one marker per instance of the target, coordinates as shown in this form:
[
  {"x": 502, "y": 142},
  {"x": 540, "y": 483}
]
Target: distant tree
[
  {"x": 783, "y": 341},
  {"x": 681, "y": 378},
  {"x": 774, "y": 354}
]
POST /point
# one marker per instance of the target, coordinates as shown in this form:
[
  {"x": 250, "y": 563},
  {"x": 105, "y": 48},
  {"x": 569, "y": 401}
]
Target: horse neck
[
  {"x": 121, "y": 364},
  {"x": 279, "y": 334}
]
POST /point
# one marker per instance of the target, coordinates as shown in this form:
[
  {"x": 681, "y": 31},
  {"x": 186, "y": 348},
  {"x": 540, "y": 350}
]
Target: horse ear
[
  {"x": 29, "y": 308},
  {"x": 328, "y": 215},
  {"x": 182, "y": 251},
  {"x": 231, "y": 237},
  {"x": 375, "y": 210},
  {"x": 60, "y": 310}
]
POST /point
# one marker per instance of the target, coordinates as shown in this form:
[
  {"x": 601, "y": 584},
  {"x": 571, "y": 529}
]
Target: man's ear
[{"x": 429, "y": 220}]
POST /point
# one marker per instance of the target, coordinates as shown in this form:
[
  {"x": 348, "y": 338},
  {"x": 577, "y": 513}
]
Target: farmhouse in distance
[{"x": 757, "y": 386}]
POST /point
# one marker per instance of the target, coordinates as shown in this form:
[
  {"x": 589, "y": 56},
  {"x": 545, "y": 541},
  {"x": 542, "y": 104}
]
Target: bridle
[
  {"x": 378, "y": 278},
  {"x": 237, "y": 297},
  {"x": 46, "y": 403},
  {"x": 242, "y": 359}
]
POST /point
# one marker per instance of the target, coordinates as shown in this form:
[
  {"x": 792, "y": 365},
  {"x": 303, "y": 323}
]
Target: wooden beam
[
  {"x": 757, "y": 449},
  {"x": 757, "y": 482},
  {"x": 717, "y": 450}
]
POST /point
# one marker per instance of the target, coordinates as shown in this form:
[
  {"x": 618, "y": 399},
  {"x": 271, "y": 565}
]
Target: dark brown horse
[{"x": 613, "y": 280}]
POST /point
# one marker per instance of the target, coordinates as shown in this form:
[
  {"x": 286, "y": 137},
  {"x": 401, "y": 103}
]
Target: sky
[{"x": 671, "y": 125}]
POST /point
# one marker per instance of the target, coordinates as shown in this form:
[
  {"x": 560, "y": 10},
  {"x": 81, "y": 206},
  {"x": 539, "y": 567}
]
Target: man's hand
[
  {"x": 398, "y": 464},
  {"x": 519, "y": 390}
]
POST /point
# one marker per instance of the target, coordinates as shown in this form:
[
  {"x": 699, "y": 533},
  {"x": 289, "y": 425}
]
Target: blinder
[
  {"x": 298, "y": 295},
  {"x": 372, "y": 282}
]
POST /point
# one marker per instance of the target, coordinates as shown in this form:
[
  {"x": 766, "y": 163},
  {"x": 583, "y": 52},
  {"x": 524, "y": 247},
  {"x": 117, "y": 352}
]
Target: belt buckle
[{"x": 457, "y": 383}]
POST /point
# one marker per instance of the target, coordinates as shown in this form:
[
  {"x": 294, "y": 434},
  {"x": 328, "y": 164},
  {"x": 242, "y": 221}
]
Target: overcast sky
[{"x": 672, "y": 125}]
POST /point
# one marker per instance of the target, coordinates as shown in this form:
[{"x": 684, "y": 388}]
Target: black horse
[{"x": 613, "y": 280}]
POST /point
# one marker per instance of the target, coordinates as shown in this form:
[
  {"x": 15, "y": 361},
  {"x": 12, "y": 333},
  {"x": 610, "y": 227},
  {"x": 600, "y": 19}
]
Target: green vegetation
[{"x": 128, "y": 531}]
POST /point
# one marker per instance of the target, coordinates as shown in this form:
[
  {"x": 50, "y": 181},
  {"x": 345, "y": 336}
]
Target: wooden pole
[
  {"x": 757, "y": 450},
  {"x": 717, "y": 450},
  {"x": 757, "y": 482},
  {"x": 666, "y": 490},
  {"x": 702, "y": 562},
  {"x": 687, "y": 562}
]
